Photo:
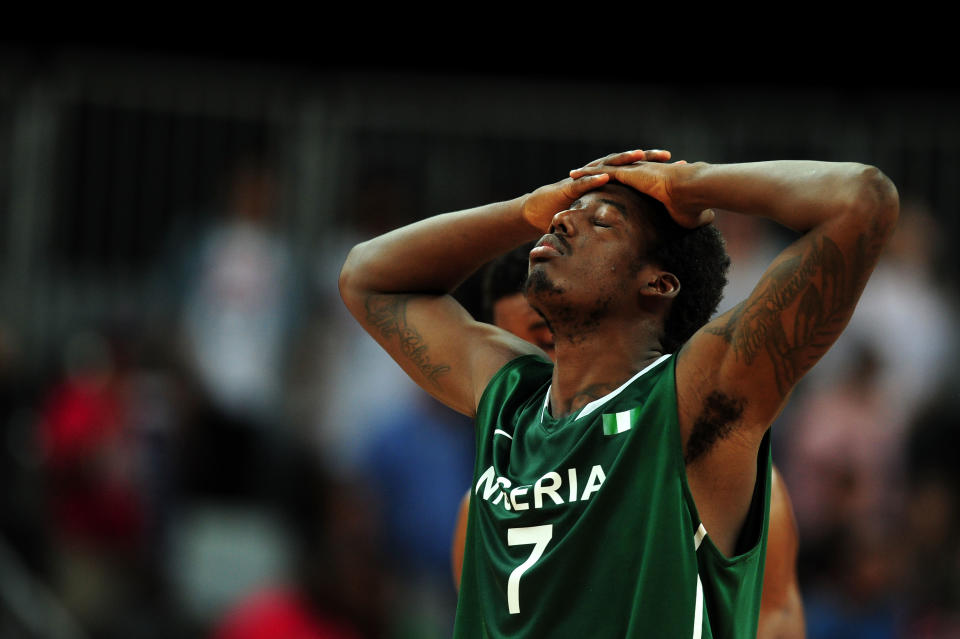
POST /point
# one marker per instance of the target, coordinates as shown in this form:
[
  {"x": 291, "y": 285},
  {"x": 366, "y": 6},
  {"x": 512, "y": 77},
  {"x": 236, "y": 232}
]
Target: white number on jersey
[{"x": 539, "y": 536}]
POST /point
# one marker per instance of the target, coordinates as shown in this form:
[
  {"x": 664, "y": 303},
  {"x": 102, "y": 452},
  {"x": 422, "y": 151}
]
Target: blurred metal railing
[{"x": 104, "y": 160}]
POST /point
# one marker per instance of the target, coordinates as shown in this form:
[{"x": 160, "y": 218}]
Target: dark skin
[
  {"x": 781, "y": 607},
  {"x": 398, "y": 287}
]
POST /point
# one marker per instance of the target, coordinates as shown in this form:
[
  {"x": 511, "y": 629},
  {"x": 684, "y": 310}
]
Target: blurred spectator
[
  {"x": 240, "y": 296},
  {"x": 89, "y": 450},
  {"x": 752, "y": 243},
  {"x": 843, "y": 455},
  {"x": 358, "y": 389},
  {"x": 857, "y": 597},
  {"x": 104, "y": 430},
  {"x": 931, "y": 588},
  {"x": 404, "y": 466},
  {"x": 279, "y": 613},
  {"x": 240, "y": 299},
  {"x": 845, "y": 472},
  {"x": 418, "y": 466},
  {"x": 334, "y": 590},
  {"x": 377, "y": 427}
]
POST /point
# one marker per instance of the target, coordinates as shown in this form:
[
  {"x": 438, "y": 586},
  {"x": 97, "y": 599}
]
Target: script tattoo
[
  {"x": 388, "y": 313},
  {"x": 825, "y": 285}
]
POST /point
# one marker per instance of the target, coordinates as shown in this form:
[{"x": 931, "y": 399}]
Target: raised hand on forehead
[{"x": 652, "y": 173}]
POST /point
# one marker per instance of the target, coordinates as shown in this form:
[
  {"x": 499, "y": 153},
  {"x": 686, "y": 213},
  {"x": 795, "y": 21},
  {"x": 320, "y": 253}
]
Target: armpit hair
[{"x": 719, "y": 415}]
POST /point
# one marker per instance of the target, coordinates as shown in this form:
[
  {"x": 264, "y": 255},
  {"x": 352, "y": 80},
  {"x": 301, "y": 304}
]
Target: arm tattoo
[
  {"x": 388, "y": 315},
  {"x": 827, "y": 287}
]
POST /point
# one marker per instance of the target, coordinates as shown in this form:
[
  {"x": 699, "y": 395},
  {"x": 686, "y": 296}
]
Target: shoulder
[{"x": 520, "y": 377}]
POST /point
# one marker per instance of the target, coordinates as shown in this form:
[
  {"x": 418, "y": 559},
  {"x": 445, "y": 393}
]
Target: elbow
[
  {"x": 877, "y": 199},
  {"x": 885, "y": 198},
  {"x": 349, "y": 282}
]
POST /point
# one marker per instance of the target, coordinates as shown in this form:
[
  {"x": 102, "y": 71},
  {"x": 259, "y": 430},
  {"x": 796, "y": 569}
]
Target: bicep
[
  {"x": 438, "y": 344},
  {"x": 735, "y": 374},
  {"x": 761, "y": 348}
]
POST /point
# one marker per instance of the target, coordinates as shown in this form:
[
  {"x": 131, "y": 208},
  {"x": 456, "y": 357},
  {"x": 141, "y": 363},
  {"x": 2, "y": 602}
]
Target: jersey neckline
[{"x": 597, "y": 403}]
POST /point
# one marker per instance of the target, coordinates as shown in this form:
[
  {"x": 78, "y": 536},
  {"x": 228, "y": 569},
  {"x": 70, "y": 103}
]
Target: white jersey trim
[
  {"x": 698, "y": 611},
  {"x": 698, "y": 537},
  {"x": 595, "y": 404}
]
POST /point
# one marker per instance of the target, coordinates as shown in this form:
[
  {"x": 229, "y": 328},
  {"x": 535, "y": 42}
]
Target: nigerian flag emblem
[{"x": 616, "y": 423}]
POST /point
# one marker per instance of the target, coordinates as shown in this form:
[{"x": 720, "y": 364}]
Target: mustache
[{"x": 558, "y": 239}]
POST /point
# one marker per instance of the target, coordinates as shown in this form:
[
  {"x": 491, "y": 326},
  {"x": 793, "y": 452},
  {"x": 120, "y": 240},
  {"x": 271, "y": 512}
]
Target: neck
[{"x": 591, "y": 364}]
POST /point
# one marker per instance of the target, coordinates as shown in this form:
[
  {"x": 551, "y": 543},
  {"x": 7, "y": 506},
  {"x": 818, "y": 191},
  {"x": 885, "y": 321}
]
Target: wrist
[
  {"x": 513, "y": 218},
  {"x": 687, "y": 188},
  {"x": 526, "y": 212}
]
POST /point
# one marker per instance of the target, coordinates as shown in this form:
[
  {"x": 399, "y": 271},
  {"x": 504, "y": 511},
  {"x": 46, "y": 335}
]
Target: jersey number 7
[{"x": 539, "y": 536}]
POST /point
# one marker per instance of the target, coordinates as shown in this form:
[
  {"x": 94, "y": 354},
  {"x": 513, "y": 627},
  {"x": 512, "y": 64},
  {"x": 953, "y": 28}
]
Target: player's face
[
  {"x": 514, "y": 314},
  {"x": 588, "y": 260}
]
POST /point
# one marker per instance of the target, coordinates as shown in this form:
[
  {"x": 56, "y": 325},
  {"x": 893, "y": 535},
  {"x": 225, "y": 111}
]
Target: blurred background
[{"x": 196, "y": 440}]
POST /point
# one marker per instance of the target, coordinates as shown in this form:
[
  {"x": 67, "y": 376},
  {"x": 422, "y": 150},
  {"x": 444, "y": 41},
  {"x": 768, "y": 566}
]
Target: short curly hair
[{"x": 698, "y": 257}]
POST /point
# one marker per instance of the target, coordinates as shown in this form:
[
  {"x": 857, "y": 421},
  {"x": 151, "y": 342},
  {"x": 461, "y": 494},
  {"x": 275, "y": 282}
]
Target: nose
[{"x": 562, "y": 223}]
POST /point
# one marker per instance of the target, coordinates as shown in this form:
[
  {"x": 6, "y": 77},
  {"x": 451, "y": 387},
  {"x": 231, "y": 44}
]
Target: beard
[
  {"x": 567, "y": 321},
  {"x": 537, "y": 283}
]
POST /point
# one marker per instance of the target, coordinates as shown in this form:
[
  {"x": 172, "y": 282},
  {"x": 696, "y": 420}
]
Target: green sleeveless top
[{"x": 584, "y": 526}]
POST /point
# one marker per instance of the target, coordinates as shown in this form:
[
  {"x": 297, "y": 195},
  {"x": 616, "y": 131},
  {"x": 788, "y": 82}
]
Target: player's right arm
[{"x": 398, "y": 287}]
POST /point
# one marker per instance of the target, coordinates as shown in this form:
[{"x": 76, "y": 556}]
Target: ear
[{"x": 660, "y": 284}]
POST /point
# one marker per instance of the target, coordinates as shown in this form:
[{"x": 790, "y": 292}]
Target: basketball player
[
  {"x": 781, "y": 606},
  {"x": 625, "y": 490}
]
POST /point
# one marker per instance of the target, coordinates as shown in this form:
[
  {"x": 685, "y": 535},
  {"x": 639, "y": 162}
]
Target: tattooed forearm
[
  {"x": 388, "y": 314},
  {"x": 802, "y": 306},
  {"x": 869, "y": 247}
]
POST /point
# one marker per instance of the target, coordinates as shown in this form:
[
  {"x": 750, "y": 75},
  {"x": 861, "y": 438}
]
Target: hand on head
[{"x": 650, "y": 172}]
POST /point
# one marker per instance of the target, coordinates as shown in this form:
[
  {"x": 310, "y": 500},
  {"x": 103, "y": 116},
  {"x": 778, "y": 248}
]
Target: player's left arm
[
  {"x": 754, "y": 354},
  {"x": 735, "y": 373}
]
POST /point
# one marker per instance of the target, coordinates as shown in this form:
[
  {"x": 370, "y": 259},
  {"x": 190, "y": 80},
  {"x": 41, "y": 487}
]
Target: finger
[
  {"x": 629, "y": 157},
  {"x": 657, "y": 155},
  {"x": 613, "y": 170},
  {"x": 706, "y": 217},
  {"x": 638, "y": 155},
  {"x": 588, "y": 170},
  {"x": 581, "y": 185},
  {"x": 624, "y": 157}
]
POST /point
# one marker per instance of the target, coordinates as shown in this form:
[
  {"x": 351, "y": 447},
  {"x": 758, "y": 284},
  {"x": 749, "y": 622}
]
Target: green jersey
[{"x": 585, "y": 527}]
